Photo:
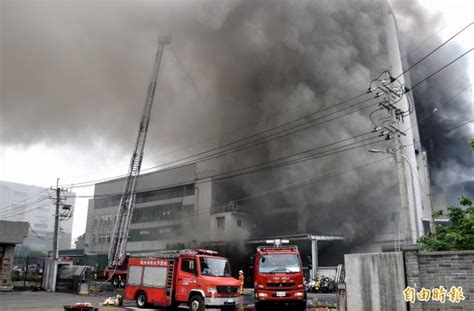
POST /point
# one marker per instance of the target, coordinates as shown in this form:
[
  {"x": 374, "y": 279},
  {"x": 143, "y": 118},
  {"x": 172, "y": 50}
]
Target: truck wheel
[
  {"x": 115, "y": 281},
  {"x": 301, "y": 306},
  {"x": 260, "y": 306},
  {"x": 141, "y": 300},
  {"x": 123, "y": 282},
  {"x": 196, "y": 303}
]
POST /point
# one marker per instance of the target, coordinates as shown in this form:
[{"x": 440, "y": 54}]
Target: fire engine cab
[
  {"x": 198, "y": 278},
  {"x": 278, "y": 276}
]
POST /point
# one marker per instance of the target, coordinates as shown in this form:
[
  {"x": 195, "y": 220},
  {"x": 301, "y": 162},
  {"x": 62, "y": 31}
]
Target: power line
[
  {"x": 256, "y": 142},
  {"x": 447, "y": 102},
  {"x": 17, "y": 213},
  {"x": 315, "y": 179},
  {"x": 308, "y": 181},
  {"x": 23, "y": 200},
  {"x": 440, "y": 69},
  {"x": 436, "y": 49},
  {"x": 192, "y": 81},
  {"x": 430, "y": 76},
  {"x": 36, "y": 234},
  {"x": 225, "y": 175},
  {"x": 459, "y": 126}
]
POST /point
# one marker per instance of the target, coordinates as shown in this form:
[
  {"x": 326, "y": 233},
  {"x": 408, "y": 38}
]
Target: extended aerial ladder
[{"x": 117, "y": 251}]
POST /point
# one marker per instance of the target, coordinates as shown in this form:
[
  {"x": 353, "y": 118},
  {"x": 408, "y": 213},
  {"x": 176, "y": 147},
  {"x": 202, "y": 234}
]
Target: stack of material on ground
[{"x": 113, "y": 301}]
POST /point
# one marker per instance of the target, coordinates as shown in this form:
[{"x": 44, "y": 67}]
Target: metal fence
[{"x": 27, "y": 272}]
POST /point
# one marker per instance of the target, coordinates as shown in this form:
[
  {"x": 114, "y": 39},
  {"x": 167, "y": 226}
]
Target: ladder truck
[{"x": 117, "y": 257}]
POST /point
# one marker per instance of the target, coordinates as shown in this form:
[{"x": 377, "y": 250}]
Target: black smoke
[
  {"x": 79, "y": 70},
  {"x": 444, "y": 104}
]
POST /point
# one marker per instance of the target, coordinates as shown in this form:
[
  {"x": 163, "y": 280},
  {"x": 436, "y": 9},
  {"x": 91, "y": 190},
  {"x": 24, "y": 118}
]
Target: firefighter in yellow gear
[{"x": 241, "y": 279}]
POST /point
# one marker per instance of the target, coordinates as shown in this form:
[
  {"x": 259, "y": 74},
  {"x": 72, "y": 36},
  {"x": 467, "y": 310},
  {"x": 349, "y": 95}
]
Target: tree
[
  {"x": 458, "y": 234},
  {"x": 80, "y": 241},
  {"x": 26, "y": 251},
  {"x": 472, "y": 144}
]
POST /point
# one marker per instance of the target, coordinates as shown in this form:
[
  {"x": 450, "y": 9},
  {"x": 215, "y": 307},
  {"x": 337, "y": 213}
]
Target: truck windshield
[
  {"x": 274, "y": 263},
  {"x": 214, "y": 266}
]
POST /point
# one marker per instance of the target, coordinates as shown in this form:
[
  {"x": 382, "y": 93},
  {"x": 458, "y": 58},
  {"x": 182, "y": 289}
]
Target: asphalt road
[{"x": 44, "y": 301}]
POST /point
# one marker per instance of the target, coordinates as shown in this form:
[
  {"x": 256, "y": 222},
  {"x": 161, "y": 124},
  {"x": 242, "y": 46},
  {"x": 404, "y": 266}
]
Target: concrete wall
[
  {"x": 7, "y": 253},
  {"x": 434, "y": 269},
  {"x": 11, "y": 233},
  {"x": 375, "y": 281}
]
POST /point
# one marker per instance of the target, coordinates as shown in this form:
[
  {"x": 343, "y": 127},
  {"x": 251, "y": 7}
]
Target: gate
[
  {"x": 73, "y": 279},
  {"x": 27, "y": 272}
]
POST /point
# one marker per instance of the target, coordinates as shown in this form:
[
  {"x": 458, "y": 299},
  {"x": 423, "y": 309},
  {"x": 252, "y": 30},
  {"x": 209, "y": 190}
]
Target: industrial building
[
  {"x": 32, "y": 204},
  {"x": 171, "y": 207}
]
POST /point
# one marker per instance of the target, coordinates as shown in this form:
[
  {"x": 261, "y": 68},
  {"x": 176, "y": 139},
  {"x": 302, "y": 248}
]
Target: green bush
[{"x": 458, "y": 234}]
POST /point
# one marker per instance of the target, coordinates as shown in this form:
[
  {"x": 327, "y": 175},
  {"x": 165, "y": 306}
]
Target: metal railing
[{"x": 230, "y": 207}]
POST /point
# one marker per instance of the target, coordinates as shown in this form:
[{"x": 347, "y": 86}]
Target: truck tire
[
  {"x": 115, "y": 281},
  {"x": 196, "y": 303},
  {"x": 123, "y": 282},
  {"x": 300, "y": 306},
  {"x": 260, "y": 306},
  {"x": 141, "y": 300}
]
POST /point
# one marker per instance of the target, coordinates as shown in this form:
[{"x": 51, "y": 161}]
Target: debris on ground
[
  {"x": 81, "y": 306},
  {"x": 116, "y": 300}
]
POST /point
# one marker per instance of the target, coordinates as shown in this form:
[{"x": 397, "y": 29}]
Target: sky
[{"x": 68, "y": 158}]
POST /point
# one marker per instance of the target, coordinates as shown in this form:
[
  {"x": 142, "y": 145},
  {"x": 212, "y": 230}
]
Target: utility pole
[
  {"x": 56, "y": 221},
  {"x": 392, "y": 91},
  {"x": 402, "y": 184},
  {"x": 57, "y": 218}
]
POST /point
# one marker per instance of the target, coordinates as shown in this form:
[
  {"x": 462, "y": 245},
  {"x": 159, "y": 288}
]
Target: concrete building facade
[
  {"x": 171, "y": 207},
  {"x": 32, "y": 204}
]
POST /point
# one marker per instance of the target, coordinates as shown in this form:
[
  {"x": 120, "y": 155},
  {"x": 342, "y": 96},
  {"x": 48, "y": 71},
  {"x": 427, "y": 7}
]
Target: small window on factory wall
[
  {"x": 239, "y": 223},
  {"x": 220, "y": 223}
]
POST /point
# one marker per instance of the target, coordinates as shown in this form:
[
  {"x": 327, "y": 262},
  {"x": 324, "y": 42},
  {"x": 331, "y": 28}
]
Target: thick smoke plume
[
  {"x": 444, "y": 103},
  {"x": 234, "y": 68}
]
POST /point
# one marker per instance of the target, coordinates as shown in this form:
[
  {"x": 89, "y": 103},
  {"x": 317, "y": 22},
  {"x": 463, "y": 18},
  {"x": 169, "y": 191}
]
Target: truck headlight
[
  {"x": 299, "y": 294},
  {"x": 262, "y": 295},
  {"x": 212, "y": 290}
]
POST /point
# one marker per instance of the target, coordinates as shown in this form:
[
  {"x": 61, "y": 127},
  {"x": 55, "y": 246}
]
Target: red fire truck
[
  {"x": 278, "y": 276},
  {"x": 198, "y": 278}
]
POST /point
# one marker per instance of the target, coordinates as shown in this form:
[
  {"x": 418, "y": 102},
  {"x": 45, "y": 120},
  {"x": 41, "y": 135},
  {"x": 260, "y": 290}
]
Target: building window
[
  {"x": 239, "y": 223},
  {"x": 153, "y": 234},
  {"x": 220, "y": 223},
  {"x": 158, "y": 212},
  {"x": 148, "y": 196}
]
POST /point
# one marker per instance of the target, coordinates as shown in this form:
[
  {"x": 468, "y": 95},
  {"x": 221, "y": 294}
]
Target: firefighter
[{"x": 241, "y": 279}]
